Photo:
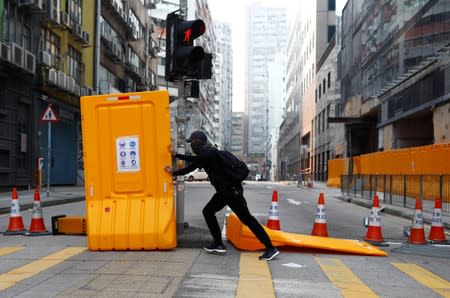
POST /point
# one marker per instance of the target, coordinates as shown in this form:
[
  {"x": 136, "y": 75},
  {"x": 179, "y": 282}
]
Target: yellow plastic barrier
[
  {"x": 129, "y": 196},
  {"x": 336, "y": 168},
  {"x": 242, "y": 238}
]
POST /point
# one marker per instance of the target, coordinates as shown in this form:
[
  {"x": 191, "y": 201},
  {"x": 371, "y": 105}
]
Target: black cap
[{"x": 198, "y": 134}]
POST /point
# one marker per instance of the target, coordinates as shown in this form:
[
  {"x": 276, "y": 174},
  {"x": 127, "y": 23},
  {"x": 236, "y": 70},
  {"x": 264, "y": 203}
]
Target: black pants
[{"x": 234, "y": 198}]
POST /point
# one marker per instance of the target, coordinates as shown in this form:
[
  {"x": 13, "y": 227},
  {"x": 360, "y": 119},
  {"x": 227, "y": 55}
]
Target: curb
[
  {"x": 6, "y": 210},
  {"x": 387, "y": 209}
]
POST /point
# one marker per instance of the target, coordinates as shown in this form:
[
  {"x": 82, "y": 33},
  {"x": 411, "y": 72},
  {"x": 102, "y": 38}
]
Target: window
[
  {"x": 74, "y": 64},
  {"x": 324, "y": 88},
  {"x": 331, "y": 31},
  {"x": 320, "y": 91},
  {"x": 75, "y": 11},
  {"x": 329, "y": 80},
  {"x": 52, "y": 42},
  {"x": 16, "y": 26},
  {"x": 331, "y": 4}
]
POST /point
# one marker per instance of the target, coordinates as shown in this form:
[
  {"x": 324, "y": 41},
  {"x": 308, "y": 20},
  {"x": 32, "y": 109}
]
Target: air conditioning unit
[
  {"x": 85, "y": 37},
  {"x": 46, "y": 59},
  {"x": 52, "y": 76},
  {"x": 62, "y": 77},
  {"x": 30, "y": 62},
  {"x": 31, "y": 4},
  {"x": 65, "y": 19},
  {"x": 53, "y": 11},
  {"x": 5, "y": 51},
  {"x": 70, "y": 84},
  {"x": 16, "y": 54},
  {"x": 77, "y": 90},
  {"x": 76, "y": 30}
]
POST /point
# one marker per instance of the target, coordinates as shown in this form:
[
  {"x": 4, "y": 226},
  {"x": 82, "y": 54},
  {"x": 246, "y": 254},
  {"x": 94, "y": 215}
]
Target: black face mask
[{"x": 196, "y": 147}]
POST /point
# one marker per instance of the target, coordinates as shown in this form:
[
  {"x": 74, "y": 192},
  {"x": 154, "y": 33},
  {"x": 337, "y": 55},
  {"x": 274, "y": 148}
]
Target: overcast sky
[{"x": 233, "y": 14}]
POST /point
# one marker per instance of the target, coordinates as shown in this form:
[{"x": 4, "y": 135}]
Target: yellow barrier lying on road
[{"x": 243, "y": 239}]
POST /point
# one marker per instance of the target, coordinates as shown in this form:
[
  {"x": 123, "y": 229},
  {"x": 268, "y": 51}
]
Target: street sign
[{"x": 49, "y": 115}]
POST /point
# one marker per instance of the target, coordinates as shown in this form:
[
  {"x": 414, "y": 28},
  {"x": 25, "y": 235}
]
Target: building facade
[
  {"x": 224, "y": 82},
  {"x": 53, "y": 52},
  {"x": 395, "y": 90},
  {"x": 310, "y": 34},
  {"x": 266, "y": 29}
]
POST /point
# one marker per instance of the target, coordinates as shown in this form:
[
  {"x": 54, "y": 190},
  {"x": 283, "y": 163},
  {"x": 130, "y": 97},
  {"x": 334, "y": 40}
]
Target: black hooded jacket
[{"x": 209, "y": 159}]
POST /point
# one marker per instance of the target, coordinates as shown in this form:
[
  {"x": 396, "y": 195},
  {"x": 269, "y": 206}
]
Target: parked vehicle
[{"x": 196, "y": 175}]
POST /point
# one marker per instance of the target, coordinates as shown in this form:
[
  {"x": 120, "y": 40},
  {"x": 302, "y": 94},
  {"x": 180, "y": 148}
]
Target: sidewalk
[
  {"x": 58, "y": 195},
  {"x": 408, "y": 213}
]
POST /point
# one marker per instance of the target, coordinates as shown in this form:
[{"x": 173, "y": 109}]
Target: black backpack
[{"x": 235, "y": 169}]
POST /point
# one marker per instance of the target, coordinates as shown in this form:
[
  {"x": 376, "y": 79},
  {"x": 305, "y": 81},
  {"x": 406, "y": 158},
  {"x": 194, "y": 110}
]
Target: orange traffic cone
[
  {"x": 15, "y": 226},
  {"x": 37, "y": 226},
  {"x": 417, "y": 234},
  {"x": 320, "y": 222},
  {"x": 274, "y": 220},
  {"x": 437, "y": 228},
  {"x": 374, "y": 235}
]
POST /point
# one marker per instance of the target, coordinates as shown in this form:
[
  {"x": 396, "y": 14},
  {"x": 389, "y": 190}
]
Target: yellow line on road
[
  {"x": 9, "y": 249},
  {"x": 343, "y": 278},
  {"x": 16, "y": 275},
  {"x": 255, "y": 279},
  {"x": 426, "y": 278}
]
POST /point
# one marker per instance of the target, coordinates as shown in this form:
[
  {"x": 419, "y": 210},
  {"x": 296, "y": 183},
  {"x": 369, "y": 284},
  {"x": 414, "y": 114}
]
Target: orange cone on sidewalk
[
  {"x": 320, "y": 222},
  {"x": 15, "y": 226},
  {"x": 273, "y": 222},
  {"x": 37, "y": 226},
  {"x": 417, "y": 234},
  {"x": 437, "y": 228},
  {"x": 374, "y": 235}
]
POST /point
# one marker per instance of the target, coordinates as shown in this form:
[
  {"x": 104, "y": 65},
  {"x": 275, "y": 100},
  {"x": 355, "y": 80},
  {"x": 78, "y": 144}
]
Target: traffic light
[{"x": 183, "y": 59}]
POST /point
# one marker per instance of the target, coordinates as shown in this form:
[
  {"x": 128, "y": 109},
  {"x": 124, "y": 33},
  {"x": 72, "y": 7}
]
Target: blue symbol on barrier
[
  {"x": 123, "y": 154},
  {"x": 132, "y": 144}
]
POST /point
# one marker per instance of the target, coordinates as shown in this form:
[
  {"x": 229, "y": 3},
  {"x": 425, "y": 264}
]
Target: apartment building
[{"x": 53, "y": 52}]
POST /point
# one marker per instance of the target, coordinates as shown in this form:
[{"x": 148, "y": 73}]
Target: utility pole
[
  {"x": 181, "y": 118},
  {"x": 184, "y": 61}
]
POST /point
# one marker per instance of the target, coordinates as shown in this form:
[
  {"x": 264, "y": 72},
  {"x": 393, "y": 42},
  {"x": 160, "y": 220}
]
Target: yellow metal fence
[{"x": 400, "y": 190}]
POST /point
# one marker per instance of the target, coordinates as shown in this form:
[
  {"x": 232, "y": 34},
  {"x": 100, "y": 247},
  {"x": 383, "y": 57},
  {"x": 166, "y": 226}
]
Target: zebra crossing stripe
[
  {"x": 255, "y": 279},
  {"x": 343, "y": 278},
  {"x": 426, "y": 278},
  {"x": 14, "y": 276},
  {"x": 9, "y": 249}
]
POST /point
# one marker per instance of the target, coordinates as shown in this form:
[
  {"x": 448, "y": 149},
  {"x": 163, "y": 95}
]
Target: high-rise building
[
  {"x": 310, "y": 34},
  {"x": 266, "y": 35},
  {"x": 224, "y": 96}
]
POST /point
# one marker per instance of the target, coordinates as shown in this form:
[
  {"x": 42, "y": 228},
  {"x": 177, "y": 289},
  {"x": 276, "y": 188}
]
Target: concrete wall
[{"x": 441, "y": 120}]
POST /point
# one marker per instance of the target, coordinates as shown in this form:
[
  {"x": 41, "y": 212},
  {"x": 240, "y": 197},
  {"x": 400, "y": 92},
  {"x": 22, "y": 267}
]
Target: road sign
[{"x": 49, "y": 115}]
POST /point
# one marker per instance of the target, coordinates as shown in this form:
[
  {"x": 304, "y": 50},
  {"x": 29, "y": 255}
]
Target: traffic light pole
[{"x": 181, "y": 118}]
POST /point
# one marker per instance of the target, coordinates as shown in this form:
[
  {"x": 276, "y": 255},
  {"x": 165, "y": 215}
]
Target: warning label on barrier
[{"x": 127, "y": 152}]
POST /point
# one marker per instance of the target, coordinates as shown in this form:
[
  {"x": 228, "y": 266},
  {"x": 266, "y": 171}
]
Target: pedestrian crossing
[{"x": 255, "y": 276}]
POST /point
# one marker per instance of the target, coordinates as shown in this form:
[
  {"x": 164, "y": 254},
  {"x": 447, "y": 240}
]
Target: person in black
[{"x": 227, "y": 193}]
